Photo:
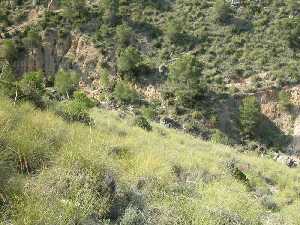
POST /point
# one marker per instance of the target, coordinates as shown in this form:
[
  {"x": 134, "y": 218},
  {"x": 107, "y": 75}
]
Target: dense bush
[
  {"x": 8, "y": 50},
  {"x": 129, "y": 61},
  {"x": 110, "y": 11},
  {"x": 150, "y": 112},
  {"x": 66, "y": 82},
  {"x": 76, "y": 109},
  {"x": 222, "y": 11},
  {"x": 184, "y": 79},
  {"x": 142, "y": 122},
  {"x": 124, "y": 34},
  {"x": 173, "y": 31},
  {"x": 32, "y": 87},
  {"x": 74, "y": 10},
  {"x": 294, "y": 40},
  {"x": 7, "y": 80},
  {"x": 249, "y": 115},
  {"x": 32, "y": 39},
  {"x": 125, "y": 94},
  {"x": 219, "y": 137},
  {"x": 284, "y": 100}
]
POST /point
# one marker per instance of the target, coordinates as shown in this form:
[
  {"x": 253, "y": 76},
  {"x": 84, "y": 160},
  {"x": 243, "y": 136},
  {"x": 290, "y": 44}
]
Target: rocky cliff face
[{"x": 70, "y": 51}]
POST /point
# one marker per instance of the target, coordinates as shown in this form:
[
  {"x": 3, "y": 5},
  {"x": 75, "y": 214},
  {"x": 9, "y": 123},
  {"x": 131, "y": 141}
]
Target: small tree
[
  {"x": 8, "y": 50},
  {"x": 124, "y": 34},
  {"x": 32, "y": 39},
  {"x": 129, "y": 61},
  {"x": 222, "y": 11},
  {"x": 293, "y": 5},
  {"x": 76, "y": 109},
  {"x": 294, "y": 38},
  {"x": 125, "y": 94},
  {"x": 110, "y": 10},
  {"x": 142, "y": 122},
  {"x": 249, "y": 115},
  {"x": 66, "y": 82},
  {"x": 284, "y": 100},
  {"x": 74, "y": 8},
  {"x": 32, "y": 87},
  {"x": 184, "y": 79},
  {"x": 7, "y": 80},
  {"x": 173, "y": 30}
]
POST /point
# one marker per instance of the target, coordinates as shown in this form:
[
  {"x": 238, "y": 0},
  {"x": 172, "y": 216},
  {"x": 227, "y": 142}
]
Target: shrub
[
  {"x": 7, "y": 79},
  {"x": 32, "y": 39},
  {"x": 110, "y": 10},
  {"x": 173, "y": 30},
  {"x": 142, "y": 123},
  {"x": 66, "y": 82},
  {"x": 105, "y": 81},
  {"x": 123, "y": 93},
  {"x": 294, "y": 40},
  {"x": 219, "y": 137},
  {"x": 74, "y": 9},
  {"x": 132, "y": 216},
  {"x": 184, "y": 79},
  {"x": 129, "y": 61},
  {"x": 249, "y": 115},
  {"x": 222, "y": 11},
  {"x": 85, "y": 100},
  {"x": 32, "y": 87},
  {"x": 149, "y": 112},
  {"x": 284, "y": 100},
  {"x": 123, "y": 34},
  {"x": 76, "y": 109},
  {"x": 8, "y": 50}
]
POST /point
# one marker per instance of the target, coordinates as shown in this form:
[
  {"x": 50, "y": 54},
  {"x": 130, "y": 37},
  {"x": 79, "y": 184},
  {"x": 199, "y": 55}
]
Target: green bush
[
  {"x": 66, "y": 82},
  {"x": 8, "y": 50},
  {"x": 150, "y": 112},
  {"x": 219, "y": 137},
  {"x": 125, "y": 94},
  {"x": 110, "y": 11},
  {"x": 249, "y": 115},
  {"x": 7, "y": 80},
  {"x": 32, "y": 39},
  {"x": 84, "y": 99},
  {"x": 184, "y": 79},
  {"x": 174, "y": 29},
  {"x": 133, "y": 216},
  {"x": 142, "y": 123},
  {"x": 284, "y": 100},
  {"x": 124, "y": 34},
  {"x": 76, "y": 109},
  {"x": 32, "y": 87},
  {"x": 294, "y": 40},
  {"x": 222, "y": 11},
  {"x": 129, "y": 61},
  {"x": 74, "y": 10}
]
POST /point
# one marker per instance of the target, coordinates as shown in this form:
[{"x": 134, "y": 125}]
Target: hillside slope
[{"x": 115, "y": 173}]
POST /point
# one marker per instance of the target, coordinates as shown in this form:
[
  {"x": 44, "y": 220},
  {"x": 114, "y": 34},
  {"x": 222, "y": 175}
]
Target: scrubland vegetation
[
  {"x": 66, "y": 159},
  {"x": 53, "y": 172}
]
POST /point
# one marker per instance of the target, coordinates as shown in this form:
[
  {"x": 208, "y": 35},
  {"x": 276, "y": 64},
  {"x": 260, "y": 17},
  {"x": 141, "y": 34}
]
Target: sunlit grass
[{"x": 75, "y": 171}]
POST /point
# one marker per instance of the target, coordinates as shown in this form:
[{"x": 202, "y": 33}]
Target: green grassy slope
[{"x": 52, "y": 172}]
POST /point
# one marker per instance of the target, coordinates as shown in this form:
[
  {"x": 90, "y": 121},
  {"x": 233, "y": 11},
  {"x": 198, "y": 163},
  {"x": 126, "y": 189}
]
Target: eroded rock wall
[{"x": 69, "y": 51}]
